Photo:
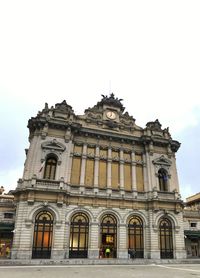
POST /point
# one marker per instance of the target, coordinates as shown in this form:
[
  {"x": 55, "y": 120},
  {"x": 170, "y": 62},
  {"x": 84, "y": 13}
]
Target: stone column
[
  {"x": 179, "y": 244},
  {"x": 93, "y": 251},
  {"x": 122, "y": 242},
  {"x": 134, "y": 181},
  {"x": 153, "y": 251},
  {"x": 69, "y": 166},
  {"x": 83, "y": 164},
  {"x": 146, "y": 188},
  {"x": 121, "y": 169},
  {"x": 58, "y": 252},
  {"x": 149, "y": 170},
  {"x": 109, "y": 174},
  {"x": 96, "y": 168},
  {"x": 66, "y": 239},
  {"x": 22, "y": 242}
]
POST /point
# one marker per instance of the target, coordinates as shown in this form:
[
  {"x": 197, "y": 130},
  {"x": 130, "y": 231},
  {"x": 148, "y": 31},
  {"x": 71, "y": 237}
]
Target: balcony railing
[{"x": 95, "y": 191}]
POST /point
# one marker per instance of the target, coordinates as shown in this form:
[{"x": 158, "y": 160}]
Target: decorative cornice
[{"x": 62, "y": 117}]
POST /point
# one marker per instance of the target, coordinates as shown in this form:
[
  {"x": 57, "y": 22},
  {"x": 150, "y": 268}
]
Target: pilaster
[
  {"x": 134, "y": 182},
  {"x": 83, "y": 164}
]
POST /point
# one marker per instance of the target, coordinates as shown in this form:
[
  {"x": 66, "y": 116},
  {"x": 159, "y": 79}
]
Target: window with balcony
[
  {"x": 163, "y": 180},
  {"x": 50, "y": 168}
]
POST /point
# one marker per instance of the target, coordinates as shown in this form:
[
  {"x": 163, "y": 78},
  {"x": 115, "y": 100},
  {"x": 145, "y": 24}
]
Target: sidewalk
[{"x": 9, "y": 262}]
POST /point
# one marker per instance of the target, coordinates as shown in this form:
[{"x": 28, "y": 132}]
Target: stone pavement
[
  {"x": 101, "y": 271},
  {"x": 98, "y": 262}
]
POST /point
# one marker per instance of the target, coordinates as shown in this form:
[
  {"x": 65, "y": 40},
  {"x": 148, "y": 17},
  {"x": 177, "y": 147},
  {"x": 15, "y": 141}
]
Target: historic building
[
  {"x": 7, "y": 217},
  {"x": 98, "y": 181},
  {"x": 191, "y": 221}
]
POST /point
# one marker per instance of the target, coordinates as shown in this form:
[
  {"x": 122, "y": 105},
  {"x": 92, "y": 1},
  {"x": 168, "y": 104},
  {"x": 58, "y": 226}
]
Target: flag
[
  {"x": 42, "y": 166},
  {"x": 165, "y": 178}
]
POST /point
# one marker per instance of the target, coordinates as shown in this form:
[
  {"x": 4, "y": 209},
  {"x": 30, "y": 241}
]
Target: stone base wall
[
  {"x": 57, "y": 254},
  {"x": 93, "y": 254},
  {"x": 21, "y": 254}
]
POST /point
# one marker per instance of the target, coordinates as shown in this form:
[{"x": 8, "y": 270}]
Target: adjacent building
[
  {"x": 7, "y": 218},
  {"x": 98, "y": 181},
  {"x": 191, "y": 216}
]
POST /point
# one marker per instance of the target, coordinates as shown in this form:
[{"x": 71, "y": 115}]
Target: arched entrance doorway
[
  {"x": 79, "y": 231},
  {"x": 42, "y": 238},
  {"x": 166, "y": 239},
  {"x": 109, "y": 235},
  {"x": 135, "y": 237}
]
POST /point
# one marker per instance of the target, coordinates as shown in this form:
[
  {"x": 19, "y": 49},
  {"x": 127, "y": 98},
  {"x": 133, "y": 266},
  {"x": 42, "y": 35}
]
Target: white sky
[{"x": 54, "y": 50}]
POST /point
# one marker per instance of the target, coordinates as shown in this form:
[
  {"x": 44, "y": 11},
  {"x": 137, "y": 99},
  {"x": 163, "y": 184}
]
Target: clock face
[{"x": 111, "y": 115}]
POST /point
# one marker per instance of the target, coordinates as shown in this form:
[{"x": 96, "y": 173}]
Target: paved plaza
[{"x": 97, "y": 271}]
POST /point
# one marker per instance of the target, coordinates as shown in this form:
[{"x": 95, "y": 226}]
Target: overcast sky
[{"x": 146, "y": 52}]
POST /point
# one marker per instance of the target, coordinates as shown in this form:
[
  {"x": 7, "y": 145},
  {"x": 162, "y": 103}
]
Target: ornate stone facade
[{"x": 98, "y": 181}]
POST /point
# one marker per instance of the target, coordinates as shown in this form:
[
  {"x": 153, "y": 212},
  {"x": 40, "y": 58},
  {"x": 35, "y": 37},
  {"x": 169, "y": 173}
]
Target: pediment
[
  {"x": 53, "y": 145},
  {"x": 162, "y": 160}
]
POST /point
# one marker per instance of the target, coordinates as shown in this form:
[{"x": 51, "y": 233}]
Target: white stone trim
[
  {"x": 140, "y": 214},
  {"x": 73, "y": 211},
  {"x": 40, "y": 207},
  {"x": 109, "y": 211},
  {"x": 168, "y": 215}
]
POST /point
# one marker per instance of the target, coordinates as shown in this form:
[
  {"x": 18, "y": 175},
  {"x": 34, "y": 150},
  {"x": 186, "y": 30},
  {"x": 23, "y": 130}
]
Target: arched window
[
  {"x": 42, "y": 238},
  {"x": 166, "y": 239},
  {"x": 109, "y": 235},
  {"x": 135, "y": 237},
  {"x": 79, "y": 231},
  {"x": 50, "y": 168},
  {"x": 163, "y": 180}
]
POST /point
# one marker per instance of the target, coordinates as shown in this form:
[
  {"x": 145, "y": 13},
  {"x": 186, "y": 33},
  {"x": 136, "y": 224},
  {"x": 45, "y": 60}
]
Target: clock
[{"x": 111, "y": 115}]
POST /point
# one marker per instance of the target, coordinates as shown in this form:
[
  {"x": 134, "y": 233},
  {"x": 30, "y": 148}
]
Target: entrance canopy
[
  {"x": 6, "y": 227},
  {"x": 192, "y": 234}
]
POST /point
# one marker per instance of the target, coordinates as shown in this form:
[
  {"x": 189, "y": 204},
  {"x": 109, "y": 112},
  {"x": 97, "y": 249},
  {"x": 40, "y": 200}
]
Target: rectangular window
[
  {"x": 193, "y": 224},
  {"x": 115, "y": 175},
  {"x": 76, "y": 170},
  {"x": 102, "y": 174},
  {"x": 140, "y": 178},
  {"x": 89, "y": 172},
  {"x": 127, "y": 177}
]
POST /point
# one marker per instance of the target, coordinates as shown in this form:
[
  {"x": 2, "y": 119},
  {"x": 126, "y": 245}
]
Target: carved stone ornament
[
  {"x": 126, "y": 119},
  {"x": 156, "y": 126},
  {"x": 64, "y": 107},
  {"x": 162, "y": 161},
  {"x": 28, "y": 223},
  {"x": 45, "y": 204},
  {"x": 53, "y": 145}
]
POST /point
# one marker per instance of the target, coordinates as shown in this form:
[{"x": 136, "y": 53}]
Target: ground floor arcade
[{"x": 83, "y": 232}]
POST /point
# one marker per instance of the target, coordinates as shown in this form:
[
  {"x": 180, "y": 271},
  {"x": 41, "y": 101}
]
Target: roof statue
[{"x": 112, "y": 101}]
